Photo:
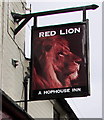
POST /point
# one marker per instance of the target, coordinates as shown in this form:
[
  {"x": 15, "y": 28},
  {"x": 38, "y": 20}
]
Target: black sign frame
[{"x": 66, "y": 92}]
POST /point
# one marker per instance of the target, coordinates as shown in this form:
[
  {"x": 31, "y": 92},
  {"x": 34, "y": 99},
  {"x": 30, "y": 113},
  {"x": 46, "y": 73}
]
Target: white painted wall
[{"x": 10, "y": 48}]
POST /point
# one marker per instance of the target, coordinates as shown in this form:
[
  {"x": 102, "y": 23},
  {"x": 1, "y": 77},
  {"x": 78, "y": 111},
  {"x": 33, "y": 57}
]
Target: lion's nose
[{"x": 77, "y": 59}]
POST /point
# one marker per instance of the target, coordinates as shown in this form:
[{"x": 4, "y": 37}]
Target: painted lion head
[{"x": 55, "y": 66}]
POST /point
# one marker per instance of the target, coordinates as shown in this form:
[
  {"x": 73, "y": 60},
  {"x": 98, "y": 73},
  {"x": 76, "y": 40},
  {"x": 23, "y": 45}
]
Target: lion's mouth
[{"x": 73, "y": 75}]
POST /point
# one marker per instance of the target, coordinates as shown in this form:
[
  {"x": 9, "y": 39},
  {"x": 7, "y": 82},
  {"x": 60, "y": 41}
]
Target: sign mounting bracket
[{"x": 18, "y": 17}]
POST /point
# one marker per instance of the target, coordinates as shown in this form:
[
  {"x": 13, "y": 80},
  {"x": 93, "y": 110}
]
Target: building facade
[{"x": 13, "y": 68}]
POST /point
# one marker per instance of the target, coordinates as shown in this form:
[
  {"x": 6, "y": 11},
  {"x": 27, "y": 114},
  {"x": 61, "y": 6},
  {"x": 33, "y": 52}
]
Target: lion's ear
[{"x": 48, "y": 47}]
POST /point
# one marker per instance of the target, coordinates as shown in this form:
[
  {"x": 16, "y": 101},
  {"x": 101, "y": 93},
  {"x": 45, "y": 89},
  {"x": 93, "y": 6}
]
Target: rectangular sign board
[{"x": 59, "y": 61}]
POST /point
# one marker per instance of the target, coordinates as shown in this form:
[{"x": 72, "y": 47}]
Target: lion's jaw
[
  {"x": 73, "y": 76},
  {"x": 74, "y": 72},
  {"x": 67, "y": 74}
]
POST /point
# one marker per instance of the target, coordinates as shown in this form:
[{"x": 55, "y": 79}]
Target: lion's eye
[{"x": 61, "y": 54}]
